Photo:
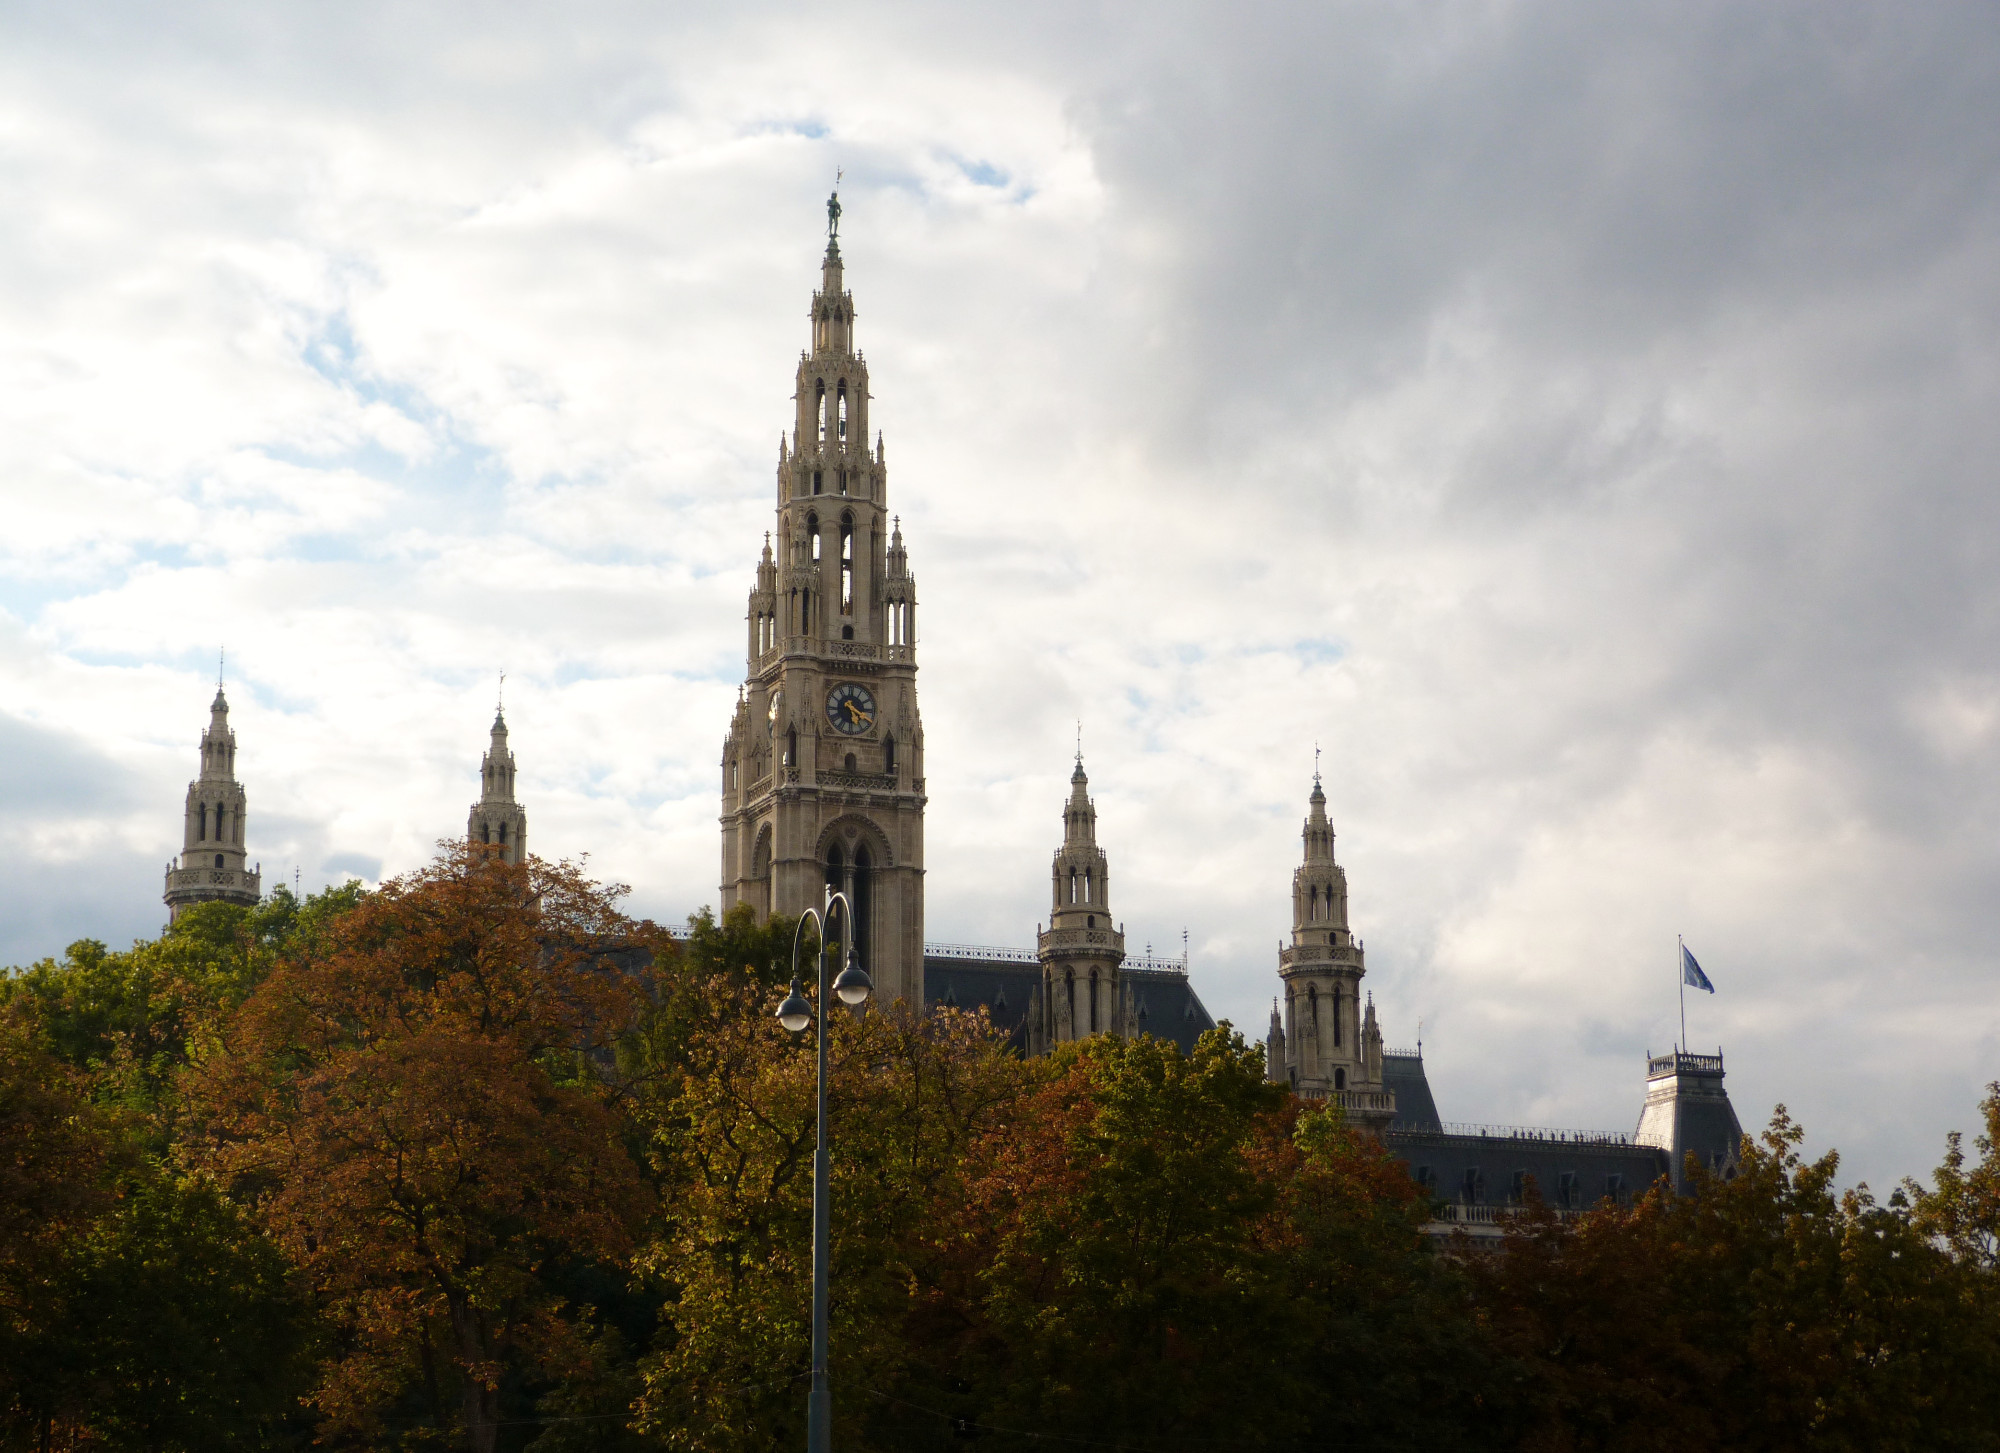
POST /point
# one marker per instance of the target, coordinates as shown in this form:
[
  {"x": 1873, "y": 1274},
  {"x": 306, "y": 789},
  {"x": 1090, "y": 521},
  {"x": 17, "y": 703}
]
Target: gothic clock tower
[{"x": 822, "y": 769}]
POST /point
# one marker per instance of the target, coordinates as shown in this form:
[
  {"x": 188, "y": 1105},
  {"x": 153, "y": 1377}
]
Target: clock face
[{"x": 850, "y": 708}]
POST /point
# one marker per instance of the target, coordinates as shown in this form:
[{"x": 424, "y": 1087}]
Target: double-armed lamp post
[{"x": 853, "y": 986}]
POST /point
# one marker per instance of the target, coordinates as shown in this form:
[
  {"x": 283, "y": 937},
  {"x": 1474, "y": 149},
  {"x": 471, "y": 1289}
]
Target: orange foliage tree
[{"x": 420, "y": 1108}]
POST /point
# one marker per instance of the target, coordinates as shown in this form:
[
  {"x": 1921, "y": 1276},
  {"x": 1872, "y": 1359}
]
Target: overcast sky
[{"x": 1579, "y": 420}]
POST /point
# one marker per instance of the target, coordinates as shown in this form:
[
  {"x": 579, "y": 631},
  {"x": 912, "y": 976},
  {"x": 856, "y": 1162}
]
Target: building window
[
  {"x": 1473, "y": 1186},
  {"x": 791, "y": 746},
  {"x": 1340, "y": 1079},
  {"x": 1566, "y": 1190},
  {"x": 888, "y": 754},
  {"x": 201, "y": 832},
  {"x": 816, "y": 481},
  {"x": 1517, "y": 1192},
  {"x": 1614, "y": 1189},
  {"x": 218, "y": 860},
  {"x": 847, "y": 565},
  {"x": 850, "y": 761},
  {"x": 843, "y": 408}
]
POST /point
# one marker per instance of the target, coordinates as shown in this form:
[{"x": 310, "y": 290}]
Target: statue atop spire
[{"x": 833, "y": 217}]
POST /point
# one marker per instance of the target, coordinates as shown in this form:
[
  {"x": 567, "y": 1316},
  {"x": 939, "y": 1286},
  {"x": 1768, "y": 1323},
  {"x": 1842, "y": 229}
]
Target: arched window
[
  {"x": 888, "y": 754},
  {"x": 1093, "y": 1001},
  {"x": 812, "y": 531},
  {"x": 847, "y": 565},
  {"x": 1340, "y": 1079},
  {"x": 843, "y": 408},
  {"x": 791, "y": 746},
  {"x": 819, "y": 405},
  {"x": 850, "y": 761},
  {"x": 201, "y": 831},
  {"x": 218, "y": 860},
  {"x": 836, "y": 867},
  {"x": 1336, "y": 1016},
  {"x": 816, "y": 481},
  {"x": 1072, "y": 885},
  {"x": 863, "y": 897},
  {"x": 1088, "y": 894},
  {"x": 503, "y": 832},
  {"x": 486, "y": 832}
]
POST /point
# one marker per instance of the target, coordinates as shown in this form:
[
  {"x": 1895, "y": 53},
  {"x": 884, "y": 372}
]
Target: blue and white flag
[{"x": 1691, "y": 973}]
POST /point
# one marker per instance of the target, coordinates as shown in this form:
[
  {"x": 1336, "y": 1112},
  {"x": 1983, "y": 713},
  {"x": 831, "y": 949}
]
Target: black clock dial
[{"x": 850, "y": 708}]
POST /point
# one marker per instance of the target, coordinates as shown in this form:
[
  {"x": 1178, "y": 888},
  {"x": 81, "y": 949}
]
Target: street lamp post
[{"x": 853, "y": 987}]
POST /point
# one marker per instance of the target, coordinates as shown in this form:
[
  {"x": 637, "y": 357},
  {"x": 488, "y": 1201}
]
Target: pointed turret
[
  {"x": 498, "y": 821},
  {"x": 1326, "y": 1046},
  {"x": 211, "y": 867},
  {"x": 1082, "y": 952}
]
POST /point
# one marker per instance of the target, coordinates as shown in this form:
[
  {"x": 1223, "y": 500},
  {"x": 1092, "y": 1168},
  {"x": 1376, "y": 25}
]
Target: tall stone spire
[
  {"x": 822, "y": 765},
  {"x": 497, "y": 820},
  {"x": 211, "y": 866},
  {"x": 1328, "y": 1045},
  {"x": 1082, "y": 952}
]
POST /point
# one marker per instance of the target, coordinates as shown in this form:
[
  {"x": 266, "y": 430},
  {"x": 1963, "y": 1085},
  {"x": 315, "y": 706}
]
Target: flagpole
[{"x": 1681, "y": 978}]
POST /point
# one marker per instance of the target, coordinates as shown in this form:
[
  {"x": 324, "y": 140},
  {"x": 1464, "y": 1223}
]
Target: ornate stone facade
[
  {"x": 211, "y": 867},
  {"x": 497, "y": 819},
  {"x": 822, "y": 767}
]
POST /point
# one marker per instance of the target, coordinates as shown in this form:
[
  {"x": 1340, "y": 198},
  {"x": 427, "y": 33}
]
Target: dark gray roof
[
  {"x": 1403, "y": 1073},
  {"x": 1169, "y": 1007},
  {"x": 1492, "y": 1169}
]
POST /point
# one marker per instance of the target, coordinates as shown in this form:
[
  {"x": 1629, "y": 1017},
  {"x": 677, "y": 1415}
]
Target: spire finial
[
  {"x": 833, "y": 214},
  {"x": 1079, "y": 741},
  {"x": 500, "y": 699},
  {"x": 1315, "y": 764},
  {"x": 221, "y": 660}
]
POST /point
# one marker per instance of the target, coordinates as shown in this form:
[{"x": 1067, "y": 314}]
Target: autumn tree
[
  {"x": 1766, "y": 1311},
  {"x": 419, "y": 1108}
]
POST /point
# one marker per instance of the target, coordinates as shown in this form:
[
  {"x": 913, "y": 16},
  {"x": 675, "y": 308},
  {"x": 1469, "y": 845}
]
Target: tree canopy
[{"x": 474, "y": 1160}]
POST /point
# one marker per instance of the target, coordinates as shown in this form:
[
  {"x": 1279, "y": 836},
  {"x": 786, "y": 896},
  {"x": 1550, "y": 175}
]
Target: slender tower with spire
[
  {"x": 822, "y": 766},
  {"x": 497, "y": 820},
  {"x": 211, "y": 868},
  {"x": 1082, "y": 990},
  {"x": 1328, "y": 1043}
]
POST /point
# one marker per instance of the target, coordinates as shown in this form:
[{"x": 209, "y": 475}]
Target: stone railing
[
  {"x": 1463, "y": 1130},
  {"x": 866, "y": 781},
  {"x": 840, "y": 650},
  {"x": 239, "y": 880},
  {"x": 1074, "y": 938},
  {"x": 1701, "y": 1064},
  {"x": 980, "y": 951},
  {"x": 1361, "y": 1102}
]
